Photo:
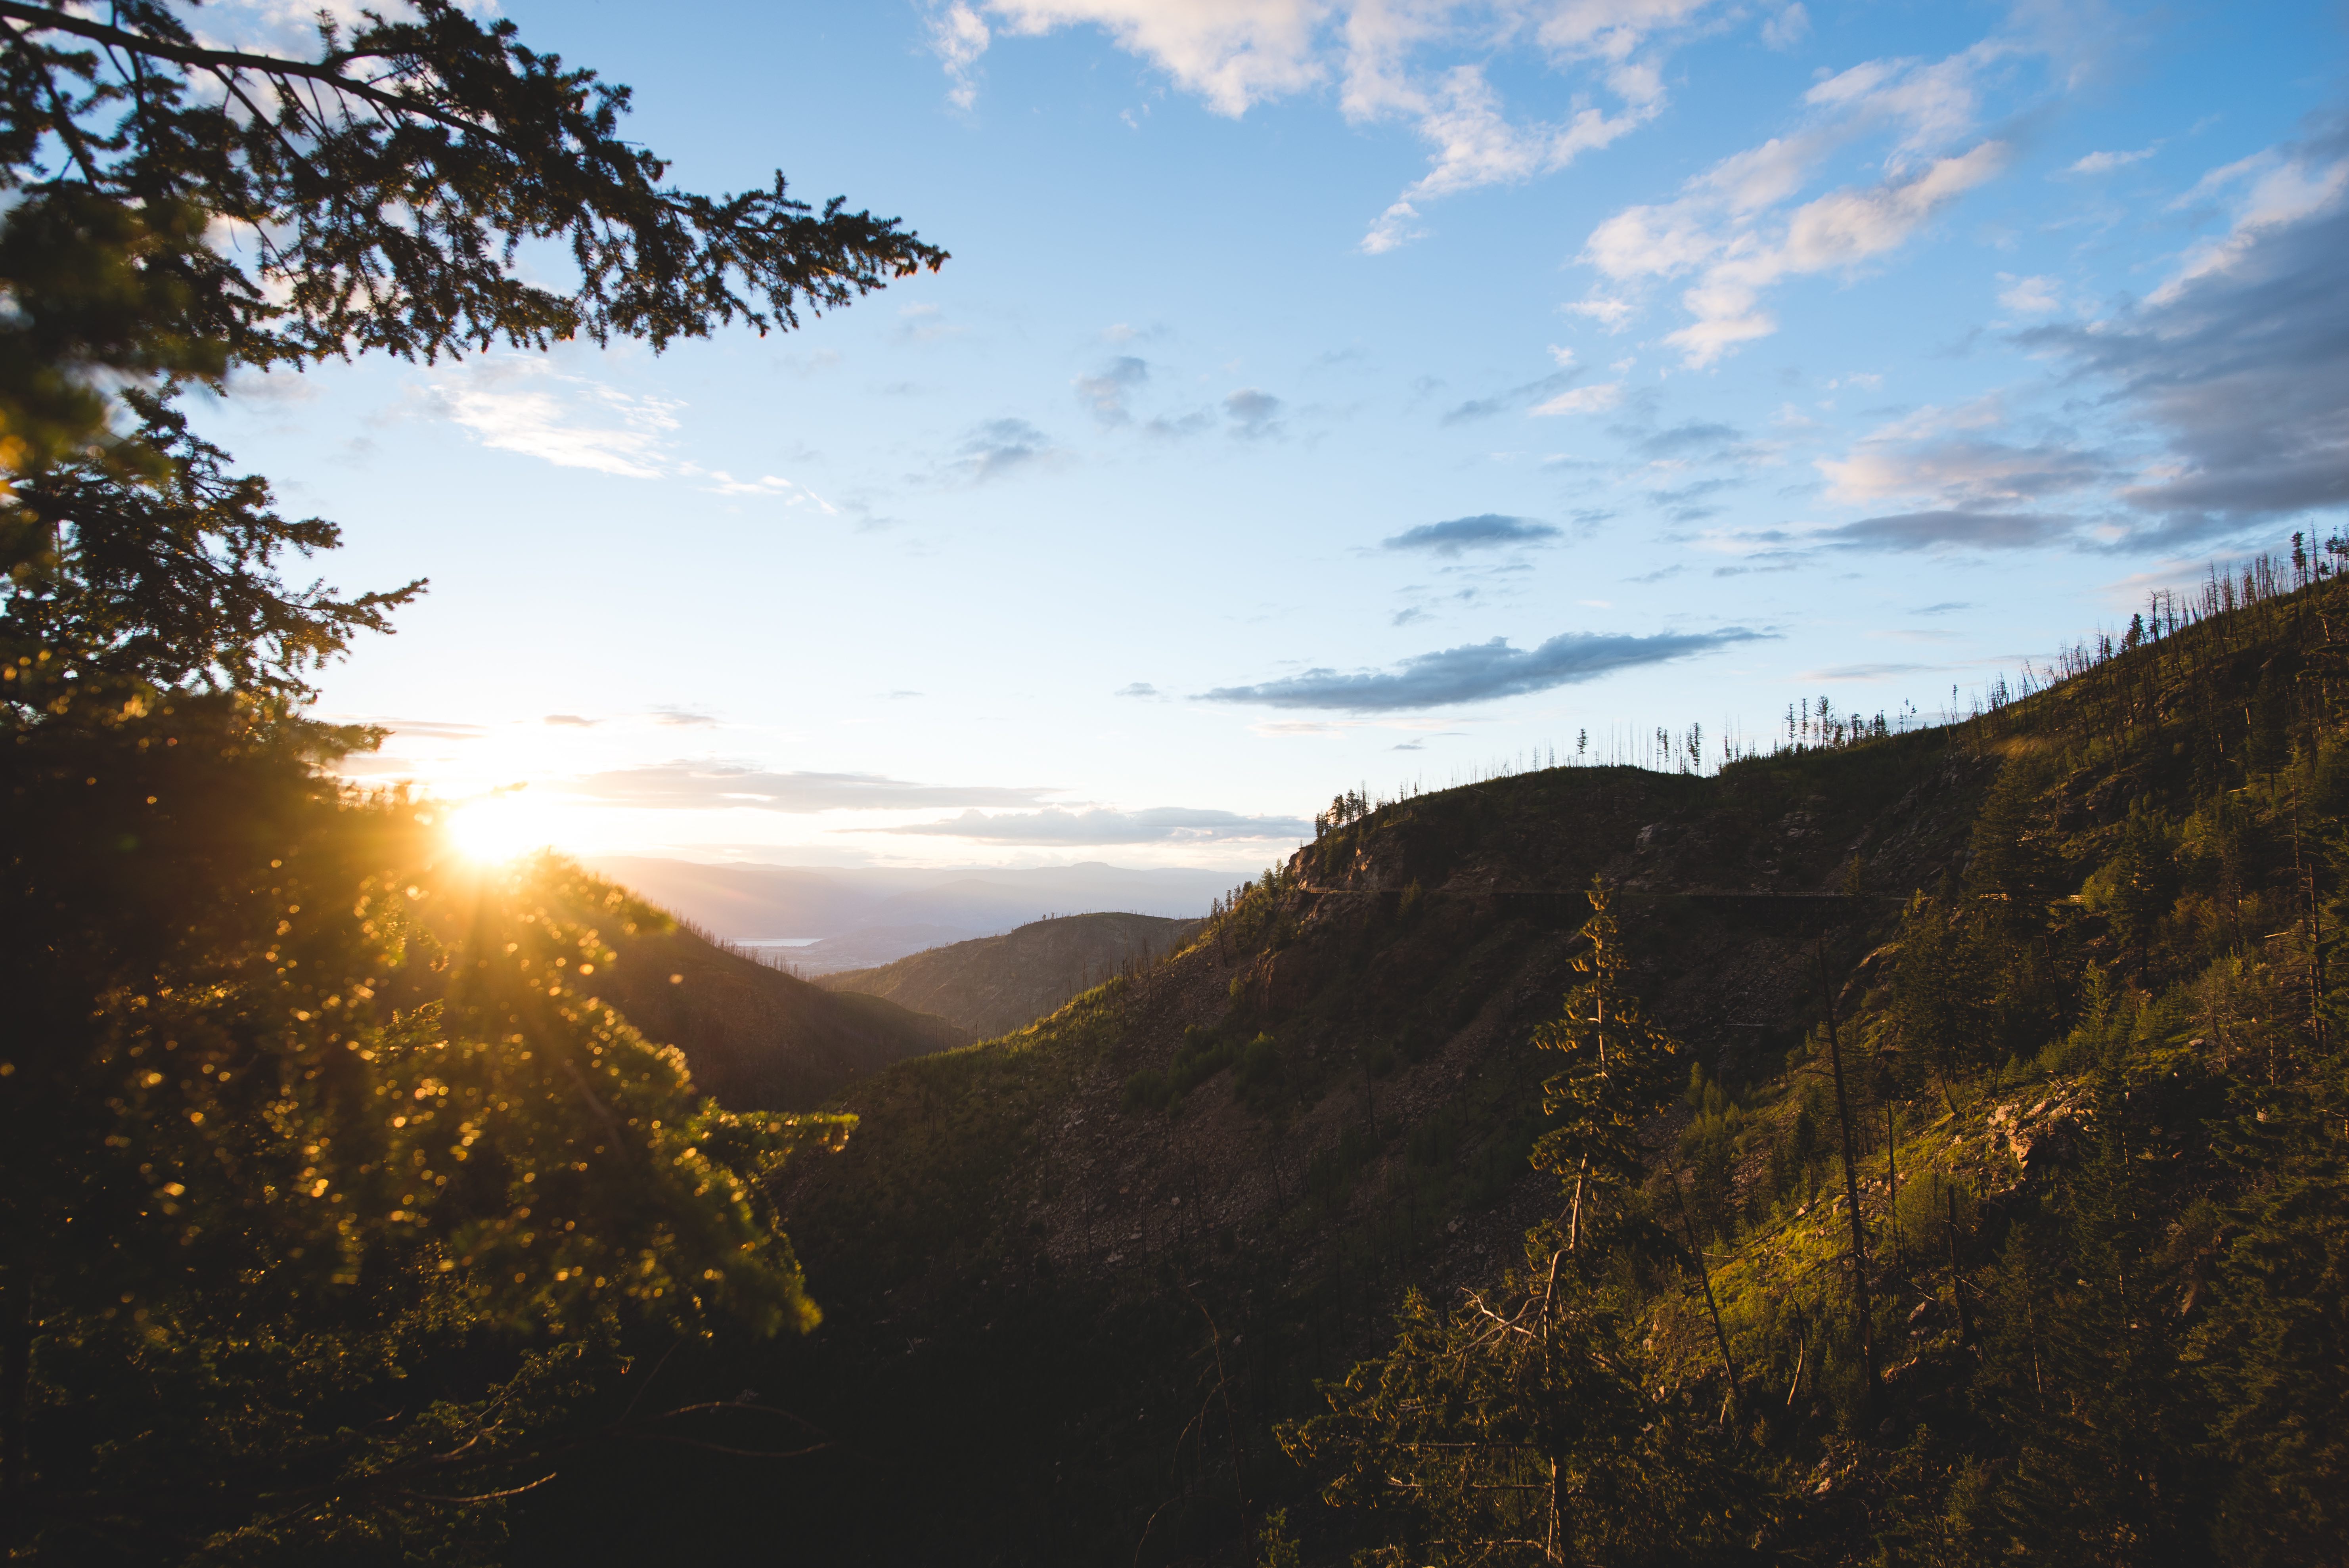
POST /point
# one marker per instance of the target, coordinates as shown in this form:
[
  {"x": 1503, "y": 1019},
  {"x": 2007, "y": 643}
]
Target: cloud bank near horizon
[{"x": 1156, "y": 825}]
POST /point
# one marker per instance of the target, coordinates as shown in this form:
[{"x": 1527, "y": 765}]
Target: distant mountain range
[
  {"x": 994, "y": 984},
  {"x": 824, "y": 919}
]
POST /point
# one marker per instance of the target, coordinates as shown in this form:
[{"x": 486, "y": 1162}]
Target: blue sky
[{"x": 1326, "y": 393}]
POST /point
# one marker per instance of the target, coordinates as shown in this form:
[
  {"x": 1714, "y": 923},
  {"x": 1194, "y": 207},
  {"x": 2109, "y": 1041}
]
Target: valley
[{"x": 1078, "y": 1276}]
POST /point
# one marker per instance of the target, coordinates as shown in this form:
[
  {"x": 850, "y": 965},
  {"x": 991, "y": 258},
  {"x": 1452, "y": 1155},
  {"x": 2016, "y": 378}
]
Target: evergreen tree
[
  {"x": 1619, "y": 1066},
  {"x": 2084, "y": 1381},
  {"x": 379, "y": 191},
  {"x": 2270, "y": 1346},
  {"x": 330, "y": 1184},
  {"x": 1519, "y": 1428}
]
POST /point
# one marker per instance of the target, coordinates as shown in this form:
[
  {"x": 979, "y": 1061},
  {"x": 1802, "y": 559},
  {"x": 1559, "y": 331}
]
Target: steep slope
[
  {"x": 1033, "y": 1278},
  {"x": 2084, "y": 1062},
  {"x": 998, "y": 984},
  {"x": 755, "y": 1036}
]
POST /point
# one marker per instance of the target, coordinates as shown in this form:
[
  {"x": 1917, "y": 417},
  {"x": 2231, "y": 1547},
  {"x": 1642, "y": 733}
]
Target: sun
[{"x": 497, "y": 827}]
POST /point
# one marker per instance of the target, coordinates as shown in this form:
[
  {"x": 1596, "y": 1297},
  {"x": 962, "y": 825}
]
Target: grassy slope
[
  {"x": 1033, "y": 1282},
  {"x": 995, "y": 985}
]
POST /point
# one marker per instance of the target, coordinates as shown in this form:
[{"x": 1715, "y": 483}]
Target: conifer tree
[
  {"x": 329, "y": 1184},
  {"x": 1619, "y": 1066},
  {"x": 1517, "y": 1428}
]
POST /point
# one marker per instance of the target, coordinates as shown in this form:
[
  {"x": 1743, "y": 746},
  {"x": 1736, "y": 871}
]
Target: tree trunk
[
  {"x": 1893, "y": 1182},
  {"x": 1704, "y": 1276},
  {"x": 1850, "y": 1188},
  {"x": 1957, "y": 1279}
]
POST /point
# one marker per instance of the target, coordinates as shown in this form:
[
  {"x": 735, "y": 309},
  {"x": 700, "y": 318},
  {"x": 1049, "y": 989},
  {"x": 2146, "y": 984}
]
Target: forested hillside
[
  {"x": 995, "y": 985},
  {"x": 753, "y": 1036},
  {"x": 2044, "y": 992}
]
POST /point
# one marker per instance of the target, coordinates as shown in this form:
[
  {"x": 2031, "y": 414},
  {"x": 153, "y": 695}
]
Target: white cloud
[
  {"x": 519, "y": 403},
  {"x": 1232, "y": 53},
  {"x": 1724, "y": 228},
  {"x": 1788, "y": 28},
  {"x": 769, "y": 485},
  {"x": 2106, "y": 162},
  {"x": 1398, "y": 225},
  {"x": 1387, "y": 59},
  {"x": 1476, "y": 145},
  {"x": 1959, "y": 457},
  {"x": 1056, "y": 825},
  {"x": 523, "y": 405},
  {"x": 2029, "y": 296},
  {"x": 1837, "y": 231},
  {"x": 2287, "y": 193},
  {"x": 958, "y": 36},
  {"x": 1593, "y": 400},
  {"x": 1610, "y": 313}
]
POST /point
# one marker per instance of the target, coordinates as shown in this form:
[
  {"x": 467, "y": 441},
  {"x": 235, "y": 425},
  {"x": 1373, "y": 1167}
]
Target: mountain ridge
[
  {"x": 995, "y": 985},
  {"x": 1081, "y": 1275}
]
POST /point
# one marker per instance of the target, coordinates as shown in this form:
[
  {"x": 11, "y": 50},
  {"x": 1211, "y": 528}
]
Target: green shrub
[
  {"x": 1148, "y": 1090},
  {"x": 1261, "y": 1073}
]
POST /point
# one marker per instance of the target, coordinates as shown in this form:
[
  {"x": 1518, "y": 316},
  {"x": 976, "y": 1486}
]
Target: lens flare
[{"x": 496, "y": 828}]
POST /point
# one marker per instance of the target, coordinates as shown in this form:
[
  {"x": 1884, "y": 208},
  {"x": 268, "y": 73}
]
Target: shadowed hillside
[
  {"x": 755, "y": 1036},
  {"x": 998, "y": 984},
  {"x": 2045, "y": 991}
]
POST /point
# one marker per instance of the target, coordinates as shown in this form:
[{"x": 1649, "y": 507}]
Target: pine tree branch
[{"x": 226, "y": 62}]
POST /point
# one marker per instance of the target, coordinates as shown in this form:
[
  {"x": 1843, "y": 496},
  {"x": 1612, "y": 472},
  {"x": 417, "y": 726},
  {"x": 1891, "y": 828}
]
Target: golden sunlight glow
[{"x": 497, "y": 827}]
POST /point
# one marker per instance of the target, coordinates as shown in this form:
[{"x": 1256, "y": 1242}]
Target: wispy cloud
[
  {"x": 2029, "y": 296},
  {"x": 1254, "y": 414},
  {"x": 1958, "y": 529},
  {"x": 1486, "y": 531},
  {"x": 1105, "y": 391},
  {"x": 1157, "y": 825},
  {"x": 1865, "y": 672},
  {"x": 1481, "y": 672},
  {"x": 1694, "y": 441},
  {"x": 1516, "y": 397},
  {"x": 2106, "y": 162},
  {"x": 2234, "y": 363},
  {"x": 1960, "y": 458},
  {"x": 998, "y": 447},
  {"x": 1422, "y": 64},
  {"x": 2221, "y": 398},
  {"x": 1596, "y": 399},
  {"x": 958, "y": 36},
  {"x": 713, "y": 785},
  {"x": 519, "y": 404},
  {"x": 1730, "y": 227}
]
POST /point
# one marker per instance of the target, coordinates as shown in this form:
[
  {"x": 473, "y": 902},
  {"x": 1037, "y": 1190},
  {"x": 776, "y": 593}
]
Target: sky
[{"x": 1331, "y": 394}]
